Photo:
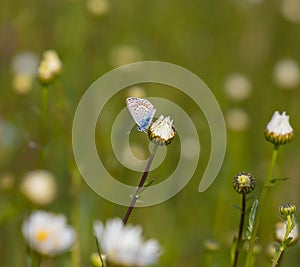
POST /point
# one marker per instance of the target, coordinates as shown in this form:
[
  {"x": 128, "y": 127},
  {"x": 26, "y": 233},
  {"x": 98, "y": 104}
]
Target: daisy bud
[
  {"x": 279, "y": 131},
  {"x": 162, "y": 131},
  {"x": 244, "y": 183},
  {"x": 50, "y": 67},
  {"x": 287, "y": 209}
]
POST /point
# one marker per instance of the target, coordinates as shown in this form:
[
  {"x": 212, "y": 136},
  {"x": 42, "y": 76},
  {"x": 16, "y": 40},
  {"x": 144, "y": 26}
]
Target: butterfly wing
[{"x": 142, "y": 111}]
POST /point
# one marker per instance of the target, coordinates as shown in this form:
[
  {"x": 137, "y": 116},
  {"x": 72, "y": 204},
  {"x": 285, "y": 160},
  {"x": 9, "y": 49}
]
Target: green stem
[
  {"x": 240, "y": 234},
  {"x": 75, "y": 186},
  {"x": 277, "y": 257},
  {"x": 140, "y": 186},
  {"x": 289, "y": 227},
  {"x": 262, "y": 200},
  {"x": 73, "y": 172},
  {"x": 99, "y": 252},
  {"x": 280, "y": 259},
  {"x": 43, "y": 129},
  {"x": 208, "y": 258}
]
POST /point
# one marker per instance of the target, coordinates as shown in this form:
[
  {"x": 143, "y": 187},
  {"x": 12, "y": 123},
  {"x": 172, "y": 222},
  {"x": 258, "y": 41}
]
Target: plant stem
[
  {"x": 262, "y": 200},
  {"x": 240, "y": 234},
  {"x": 73, "y": 172},
  {"x": 289, "y": 227},
  {"x": 140, "y": 186},
  {"x": 99, "y": 252},
  {"x": 208, "y": 258},
  {"x": 278, "y": 257},
  {"x": 44, "y": 110}
]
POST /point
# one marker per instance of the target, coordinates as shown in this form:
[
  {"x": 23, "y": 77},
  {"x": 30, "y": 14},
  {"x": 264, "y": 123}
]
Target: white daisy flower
[
  {"x": 48, "y": 233},
  {"x": 124, "y": 245},
  {"x": 24, "y": 66},
  {"x": 237, "y": 87},
  {"x": 50, "y": 67},
  {"x": 98, "y": 7},
  {"x": 279, "y": 131},
  {"x": 286, "y": 73},
  {"x": 162, "y": 131},
  {"x": 39, "y": 187}
]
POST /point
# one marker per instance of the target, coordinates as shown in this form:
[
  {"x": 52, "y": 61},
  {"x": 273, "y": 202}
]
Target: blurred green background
[{"x": 230, "y": 45}]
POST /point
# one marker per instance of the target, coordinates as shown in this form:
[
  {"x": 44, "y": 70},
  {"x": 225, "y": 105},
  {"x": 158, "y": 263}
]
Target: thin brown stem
[
  {"x": 240, "y": 234},
  {"x": 140, "y": 186}
]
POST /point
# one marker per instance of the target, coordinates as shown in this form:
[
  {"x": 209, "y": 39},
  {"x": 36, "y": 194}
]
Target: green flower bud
[{"x": 287, "y": 209}]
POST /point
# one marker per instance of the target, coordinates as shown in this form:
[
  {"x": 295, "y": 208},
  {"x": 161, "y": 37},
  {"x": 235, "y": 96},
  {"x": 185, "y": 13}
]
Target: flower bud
[
  {"x": 244, "y": 182},
  {"x": 50, "y": 67},
  {"x": 279, "y": 131},
  {"x": 287, "y": 209},
  {"x": 162, "y": 131},
  {"x": 96, "y": 261}
]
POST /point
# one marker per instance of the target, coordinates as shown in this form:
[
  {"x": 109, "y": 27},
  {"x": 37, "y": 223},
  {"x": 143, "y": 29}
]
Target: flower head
[
  {"x": 287, "y": 209},
  {"x": 162, "y": 131},
  {"x": 237, "y": 119},
  {"x": 287, "y": 74},
  {"x": 48, "y": 233},
  {"x": 279, "y": 131},
  {"x": 24, "y": 66},
  {"x": 98, "y": 7},
  {"x": 50, "y": 67},
  {"x": 124, "y": 244},
  {"x": 244, "y": 182},
  {"x": 237, "y": 87},
  {"x": 39, "y": 187}
]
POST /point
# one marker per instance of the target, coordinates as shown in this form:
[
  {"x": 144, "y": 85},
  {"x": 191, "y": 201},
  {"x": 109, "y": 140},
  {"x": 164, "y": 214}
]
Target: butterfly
[{"x": 142, "y": 111}]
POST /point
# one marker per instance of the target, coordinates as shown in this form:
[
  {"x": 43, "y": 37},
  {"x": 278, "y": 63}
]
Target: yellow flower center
[
  {"x": 41, "y": 235},
  {"x": 244, "y": 180}
]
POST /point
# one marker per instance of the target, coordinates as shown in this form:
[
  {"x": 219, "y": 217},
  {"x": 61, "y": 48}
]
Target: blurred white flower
[
  {"x": 271, "y": 249},
  {"x": 280, "y": 230},
  {"x": 162, "y": 131},
  {"x": 211, "y": 245},
  {"x": 287, "y": 74},
  {"x": 24, "y": 66},
  {"x": 48, "y": 233},
  {"x": 278, "y": 130},
  {"x": 98, "y": 7},
  {"x": 290, "y": 10},
  {"x": 39, "y": 187},
  {"x": 22, "y": 83},
  {"x": 124, "y": 245},
  {"x": 237, "y": 119},
  {"x": 237, "y": 86},
  {"x": 25, "y": 63},
  {"x": 124, "y": 54},
  {"x": 50, "y": 67}
]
